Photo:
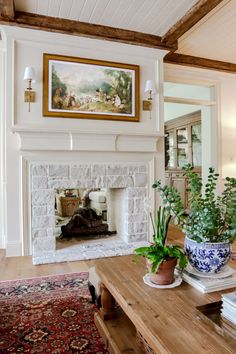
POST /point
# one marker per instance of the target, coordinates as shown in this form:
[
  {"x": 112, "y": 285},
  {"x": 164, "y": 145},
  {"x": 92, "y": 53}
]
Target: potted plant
[
  {"x": 162, "y": 258},
  {"x": 210, "y": 221}
]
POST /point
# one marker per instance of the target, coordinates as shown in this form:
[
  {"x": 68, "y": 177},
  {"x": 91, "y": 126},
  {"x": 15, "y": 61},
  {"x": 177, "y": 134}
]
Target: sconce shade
[
  {"x": 149, "y": 86},
  {"x": 29, "y": 74}
]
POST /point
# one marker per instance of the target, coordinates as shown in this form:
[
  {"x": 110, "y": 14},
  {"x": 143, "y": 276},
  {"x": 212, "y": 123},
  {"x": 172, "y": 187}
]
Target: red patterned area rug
[{"x": 48, "y": 315}]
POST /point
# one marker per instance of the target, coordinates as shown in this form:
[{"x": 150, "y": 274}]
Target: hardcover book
[
  {"x": 208, "y": 285},
  {"x": 228, "y": 310},
  {"x": 230, "y": 298}
]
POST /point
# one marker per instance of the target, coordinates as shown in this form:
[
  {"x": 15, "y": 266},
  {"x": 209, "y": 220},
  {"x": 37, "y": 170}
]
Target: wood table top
[{"x": 166, "y": 317}]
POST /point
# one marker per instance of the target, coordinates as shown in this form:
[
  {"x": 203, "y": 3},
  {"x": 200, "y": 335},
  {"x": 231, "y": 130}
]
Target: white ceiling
[
  {"x": 214, "y": 37},
  {"x": 148, "y": 16}
]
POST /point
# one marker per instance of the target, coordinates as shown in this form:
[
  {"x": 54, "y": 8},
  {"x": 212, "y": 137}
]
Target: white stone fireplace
[
  {"x": 45, "y": 142},
  {"x": 132, "y": 179}
]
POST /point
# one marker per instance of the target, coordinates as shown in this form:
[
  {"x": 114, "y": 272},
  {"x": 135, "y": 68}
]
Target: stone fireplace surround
[{"x": 46, "y": 177}]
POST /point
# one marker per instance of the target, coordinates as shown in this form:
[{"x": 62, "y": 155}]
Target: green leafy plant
[
  {"x": 210, "y": 217},
  {"x": 159, "y": 251}
]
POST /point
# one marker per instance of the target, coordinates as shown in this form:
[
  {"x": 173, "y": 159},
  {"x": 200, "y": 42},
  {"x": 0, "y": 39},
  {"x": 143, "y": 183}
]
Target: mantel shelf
[{"x": 41, "y": 138}]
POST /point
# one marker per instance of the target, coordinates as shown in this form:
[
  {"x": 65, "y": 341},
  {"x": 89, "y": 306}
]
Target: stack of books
[
  {"x": 211, "y": 283},
  {"x": 228, "y": 309}
]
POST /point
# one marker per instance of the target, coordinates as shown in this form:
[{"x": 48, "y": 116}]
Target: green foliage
[
  {"x": 158, "y": 251},
  {"x": 210, "y": 218},
  {"x": 57, "y": 84},
  {"x": 122, "y": 83}
]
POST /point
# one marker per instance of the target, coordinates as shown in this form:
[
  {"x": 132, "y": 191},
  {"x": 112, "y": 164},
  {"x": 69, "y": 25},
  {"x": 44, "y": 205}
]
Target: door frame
[{"x": 210, "y": 117}]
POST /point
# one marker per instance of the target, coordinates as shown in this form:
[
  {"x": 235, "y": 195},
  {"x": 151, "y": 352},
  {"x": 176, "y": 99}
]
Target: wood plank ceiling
[
  {"x": 198, "y": 33},
  {"x": 148, "y": 16},
  {"x": 213, "y": 37},
  {"x": 211, "y": 42}
]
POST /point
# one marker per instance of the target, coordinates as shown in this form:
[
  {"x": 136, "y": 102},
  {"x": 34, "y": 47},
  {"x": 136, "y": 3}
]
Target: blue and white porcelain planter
[{"x": 207, "y": 257}]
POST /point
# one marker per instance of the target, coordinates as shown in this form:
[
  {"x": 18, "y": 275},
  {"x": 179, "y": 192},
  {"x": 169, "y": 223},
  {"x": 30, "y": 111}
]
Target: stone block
[
  {"x": 39, "y": 210},
  {"x": 43, "y": 197},
  {"x": 129, "y": 227},
  {"x": 43, "y": 244},
  {"x": 43, "y": 221},
  {"x": 137, "y": 237},
  {"x": 140, "y": 179},
  {"x": 98, "y": 181},
  {"x": 39, "y": 170},
  {"x": 37, "y": 233},
  {"x": 45, "y": 259},
  {"x": 51, "y": 210},
  {"x": 129, "y": 206},
  {"x": 81, "y": 172},
  {"x": 140, "y": 227},
  {"x": 133, "y": 169},
  {"x": 98, "y": 170},
  {"x": 137, "y": 192},
  {"x": 115, "y": 170},
  {"x": 91, "y": 183},
  {"x": 49, "y": 232},
  {"x": 116, "y": 181},
  {"x": 137, "y": 217},
  {"x": 139, "y": 206},
  {"x": 39, "y": 182},
  {"x": 59, "y": 171},
  {"x": 62, "y": 183}
]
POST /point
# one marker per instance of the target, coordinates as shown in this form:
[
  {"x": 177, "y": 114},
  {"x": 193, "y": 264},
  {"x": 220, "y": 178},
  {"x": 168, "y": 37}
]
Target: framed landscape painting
[{"x": 90, "y": 89}]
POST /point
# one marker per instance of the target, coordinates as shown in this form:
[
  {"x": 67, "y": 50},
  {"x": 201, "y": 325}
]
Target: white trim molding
[{"x": 44, "y": 140}]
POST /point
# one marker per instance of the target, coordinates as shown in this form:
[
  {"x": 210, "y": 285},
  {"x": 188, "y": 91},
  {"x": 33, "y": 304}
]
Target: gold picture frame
[{"x": 90, "y": 89}]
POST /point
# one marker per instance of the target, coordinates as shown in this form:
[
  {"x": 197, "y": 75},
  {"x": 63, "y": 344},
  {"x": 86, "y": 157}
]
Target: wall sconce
[
  {"x": 150, "y": 88},
  {"x": 29, "y": 76}
]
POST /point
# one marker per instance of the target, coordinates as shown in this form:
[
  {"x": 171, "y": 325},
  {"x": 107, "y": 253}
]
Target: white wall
[
  {"x": 28, "y": 49},
  {"x": 175, "y": 110},
  {"x": 25, "y": 48},
  {"x": 187, "y": 91},
  {"x": 224, "y": 114}
]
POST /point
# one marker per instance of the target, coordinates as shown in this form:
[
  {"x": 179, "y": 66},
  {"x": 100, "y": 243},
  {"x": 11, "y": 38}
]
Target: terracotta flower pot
[{"x": 165, "y": 272}]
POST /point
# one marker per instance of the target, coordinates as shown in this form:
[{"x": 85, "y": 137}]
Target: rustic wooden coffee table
[{"x": 167, "y": 319}]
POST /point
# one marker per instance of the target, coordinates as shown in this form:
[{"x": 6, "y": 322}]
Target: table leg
[{"x": 107, "y": 311}]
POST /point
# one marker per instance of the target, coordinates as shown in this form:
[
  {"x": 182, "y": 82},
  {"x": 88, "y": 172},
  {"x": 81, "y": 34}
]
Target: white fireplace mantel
[{"x": 77, "y": 140}]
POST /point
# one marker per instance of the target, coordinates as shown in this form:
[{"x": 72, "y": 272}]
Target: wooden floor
[{"x": 22, "y": 267}]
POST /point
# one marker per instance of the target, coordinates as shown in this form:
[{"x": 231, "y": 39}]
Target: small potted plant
[
  {"x": 162, "y": 258},
  {"x": 210, "y": 221}
]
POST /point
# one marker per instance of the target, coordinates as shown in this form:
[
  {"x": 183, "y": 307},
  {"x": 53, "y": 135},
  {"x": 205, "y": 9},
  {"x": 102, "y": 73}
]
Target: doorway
[{"x": 190, "y": 132}]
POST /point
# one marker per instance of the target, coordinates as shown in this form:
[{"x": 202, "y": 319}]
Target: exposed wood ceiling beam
[
  {"x": 197, "y": 62},
  {"x": 7, "y": 9},
  {"x": 76, "y": 28},
  {"x": 195, "y": 14}
]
